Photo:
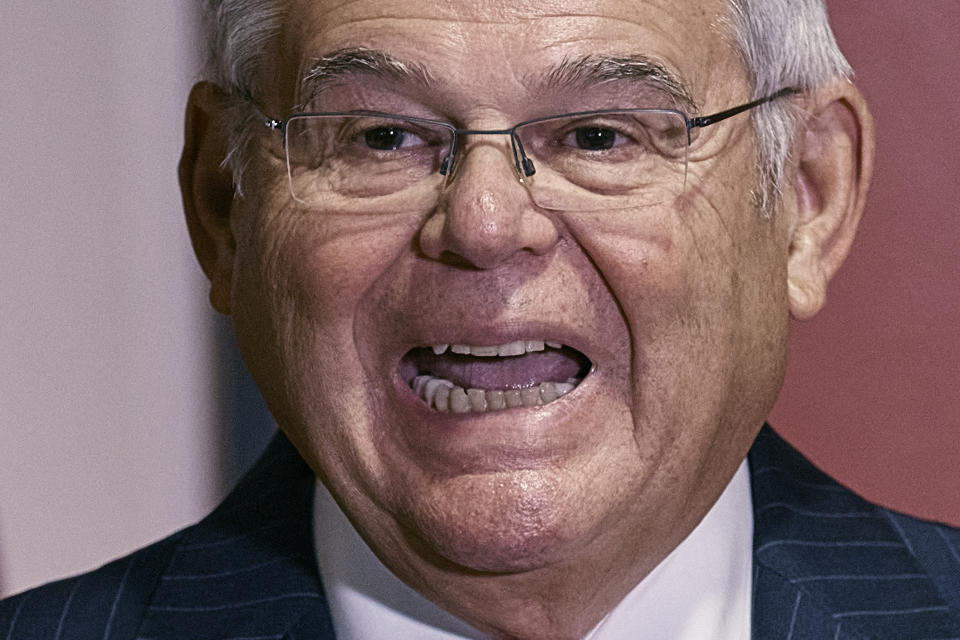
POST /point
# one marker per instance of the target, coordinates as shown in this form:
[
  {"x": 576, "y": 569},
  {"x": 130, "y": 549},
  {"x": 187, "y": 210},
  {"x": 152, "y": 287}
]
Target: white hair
[
  {"x": 237, "y": 34},
  {"x": 784, "y": 43}
]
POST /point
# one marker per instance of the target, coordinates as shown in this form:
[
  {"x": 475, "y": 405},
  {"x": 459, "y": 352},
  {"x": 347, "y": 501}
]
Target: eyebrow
[
  {"x": 575, "y": 73},
  {"x": 344, "y": 63},
  {"x": 593, "y": 70}
]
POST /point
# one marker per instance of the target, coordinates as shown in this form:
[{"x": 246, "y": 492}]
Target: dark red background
[{"x": 872, "y": 389}]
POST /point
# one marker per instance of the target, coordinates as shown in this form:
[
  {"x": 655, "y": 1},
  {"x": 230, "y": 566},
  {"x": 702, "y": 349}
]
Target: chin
[{"x": 495, "y": 523}]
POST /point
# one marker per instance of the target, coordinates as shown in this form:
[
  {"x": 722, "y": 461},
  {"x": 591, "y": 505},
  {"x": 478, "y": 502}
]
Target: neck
[
  {"x": 534, "y": 605},
  {"x": 557, "y": 600},
  {"x": 564, "y": 599}
]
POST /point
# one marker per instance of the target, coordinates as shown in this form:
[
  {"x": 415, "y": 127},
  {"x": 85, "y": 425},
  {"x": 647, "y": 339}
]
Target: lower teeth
[{"x": 443, "y": 395}]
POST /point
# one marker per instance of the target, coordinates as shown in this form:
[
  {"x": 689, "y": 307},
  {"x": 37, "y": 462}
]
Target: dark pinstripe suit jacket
[{"x": 827, "y": 565}]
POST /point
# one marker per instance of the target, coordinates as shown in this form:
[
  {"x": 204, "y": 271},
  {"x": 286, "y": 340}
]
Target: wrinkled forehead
[{"x": 499, "y": 52}]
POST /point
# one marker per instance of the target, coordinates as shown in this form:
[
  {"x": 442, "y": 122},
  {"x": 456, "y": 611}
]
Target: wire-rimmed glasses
[{"x": 369, "y": 161}]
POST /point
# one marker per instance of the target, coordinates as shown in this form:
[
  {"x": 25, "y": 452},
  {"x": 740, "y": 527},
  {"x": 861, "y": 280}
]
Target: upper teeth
[{"x": 515, "y": 348}]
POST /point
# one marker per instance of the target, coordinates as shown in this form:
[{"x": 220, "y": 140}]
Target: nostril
[{"x": 455, "y": 260}]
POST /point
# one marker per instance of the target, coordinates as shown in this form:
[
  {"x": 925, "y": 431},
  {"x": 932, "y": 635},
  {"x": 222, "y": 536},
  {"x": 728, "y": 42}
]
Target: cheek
[
  {"x": 316, "y": 266},
  {"x": 300, "y": 278},
  {"x": 651, "y": 264},
  {"x": 698, "y": 288}
]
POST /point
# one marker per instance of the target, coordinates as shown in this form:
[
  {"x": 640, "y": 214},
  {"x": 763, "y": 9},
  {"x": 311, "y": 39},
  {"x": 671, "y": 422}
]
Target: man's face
[{"x": 674, "y": 316}]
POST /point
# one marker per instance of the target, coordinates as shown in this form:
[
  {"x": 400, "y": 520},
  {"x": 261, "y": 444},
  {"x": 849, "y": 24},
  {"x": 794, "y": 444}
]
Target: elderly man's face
[{"x": 673, "y": 317}]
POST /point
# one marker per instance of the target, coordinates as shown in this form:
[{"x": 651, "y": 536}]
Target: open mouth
[{"x": 475, "y": 379}]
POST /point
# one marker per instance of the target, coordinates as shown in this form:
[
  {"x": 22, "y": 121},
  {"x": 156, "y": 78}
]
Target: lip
[
  {"x": 496, "y": 441},
  {"x": 451, "y": 444},
  {"x": 494, "y": 336},
  {"x": 512, "y": 439}
]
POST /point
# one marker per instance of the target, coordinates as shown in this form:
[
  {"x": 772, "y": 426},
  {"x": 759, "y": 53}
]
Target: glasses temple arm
[{"x": 704, "y": 121}]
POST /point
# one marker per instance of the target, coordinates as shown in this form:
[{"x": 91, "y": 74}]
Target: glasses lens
[
  {"x": 621, "y": 159},
  {"x": 359, "y": 162}
]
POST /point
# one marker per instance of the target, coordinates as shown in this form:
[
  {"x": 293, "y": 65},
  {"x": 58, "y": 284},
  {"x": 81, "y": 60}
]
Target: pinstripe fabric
[
  {"x": 827, "y": 565},
  {"x": 840, "y": 566},
  {"x": 107, "y": 604},
  {"x": 246, "y": 572}
]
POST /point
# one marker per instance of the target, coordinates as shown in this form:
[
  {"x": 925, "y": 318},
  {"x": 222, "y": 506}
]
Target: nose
[{"x": 485, "y": 216}]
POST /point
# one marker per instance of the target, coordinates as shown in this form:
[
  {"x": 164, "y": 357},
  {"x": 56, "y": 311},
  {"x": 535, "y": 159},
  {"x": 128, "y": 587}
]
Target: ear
[
  {"x": 207, "y": 190},
  {"x": 834, "y": 163}
]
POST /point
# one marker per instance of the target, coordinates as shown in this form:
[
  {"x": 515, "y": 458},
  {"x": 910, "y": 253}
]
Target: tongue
[{"x": 513, "y": 372}]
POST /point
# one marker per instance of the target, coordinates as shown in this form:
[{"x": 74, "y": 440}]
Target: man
[{"x": 524, "y": 362}]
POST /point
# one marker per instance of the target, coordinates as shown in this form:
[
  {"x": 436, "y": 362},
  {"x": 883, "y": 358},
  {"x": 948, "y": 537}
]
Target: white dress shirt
[{"x": 701, "y": 591}]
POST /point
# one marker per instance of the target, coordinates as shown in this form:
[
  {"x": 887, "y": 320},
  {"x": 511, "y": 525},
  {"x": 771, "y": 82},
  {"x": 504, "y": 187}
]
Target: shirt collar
[{"x": 701, "y": 590}]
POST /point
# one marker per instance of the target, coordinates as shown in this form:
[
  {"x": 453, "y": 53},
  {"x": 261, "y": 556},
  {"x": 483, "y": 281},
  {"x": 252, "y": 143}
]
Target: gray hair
[
  {"x": 784, "y": 43},
  {"x": 237, "y": 33}
]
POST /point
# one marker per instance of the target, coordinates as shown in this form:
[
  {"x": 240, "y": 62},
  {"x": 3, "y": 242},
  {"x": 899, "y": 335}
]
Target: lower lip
[{"x": 509, "y": 439}]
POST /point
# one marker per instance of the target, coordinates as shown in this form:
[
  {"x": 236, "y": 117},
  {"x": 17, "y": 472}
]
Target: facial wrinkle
[{"x": 611, "y": 295}]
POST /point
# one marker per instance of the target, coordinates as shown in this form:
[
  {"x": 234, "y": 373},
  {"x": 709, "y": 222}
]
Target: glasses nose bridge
[{"x": 521, "y": 163}]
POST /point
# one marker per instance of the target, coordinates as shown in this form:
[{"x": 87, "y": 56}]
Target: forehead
[{"x": 488, "y": 50}]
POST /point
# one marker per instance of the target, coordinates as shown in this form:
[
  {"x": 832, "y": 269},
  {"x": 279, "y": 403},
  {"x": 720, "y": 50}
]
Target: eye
[
  {"x": 594, "y": 138},
  {"x": 388, "y": 138}
]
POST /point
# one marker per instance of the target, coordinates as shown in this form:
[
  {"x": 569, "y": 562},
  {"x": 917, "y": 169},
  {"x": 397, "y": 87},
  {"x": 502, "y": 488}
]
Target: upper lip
[
  {"x": 493, "y": 339},
  {"x": 513, "y": 348},
  {"x": 490, "y": 336}
]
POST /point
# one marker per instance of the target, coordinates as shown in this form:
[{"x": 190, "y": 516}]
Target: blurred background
[{"x": 125, "y": 413}]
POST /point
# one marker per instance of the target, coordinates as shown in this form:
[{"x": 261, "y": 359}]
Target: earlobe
[
  {"x": 207, "y": 191},
  {"x": 834, "y": 162}
]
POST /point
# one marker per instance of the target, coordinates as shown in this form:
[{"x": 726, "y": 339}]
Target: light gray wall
[{"x": 107, "y": 435}]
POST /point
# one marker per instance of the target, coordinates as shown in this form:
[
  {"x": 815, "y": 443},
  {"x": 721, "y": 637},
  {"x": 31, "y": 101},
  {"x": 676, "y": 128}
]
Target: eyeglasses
[{"x": 369, "y": 162}]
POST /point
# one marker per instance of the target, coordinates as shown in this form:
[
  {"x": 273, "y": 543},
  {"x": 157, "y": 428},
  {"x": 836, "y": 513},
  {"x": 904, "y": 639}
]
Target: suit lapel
[
  {"x": 247, "y": 570},
  {"x": 828, "y": 564}
]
